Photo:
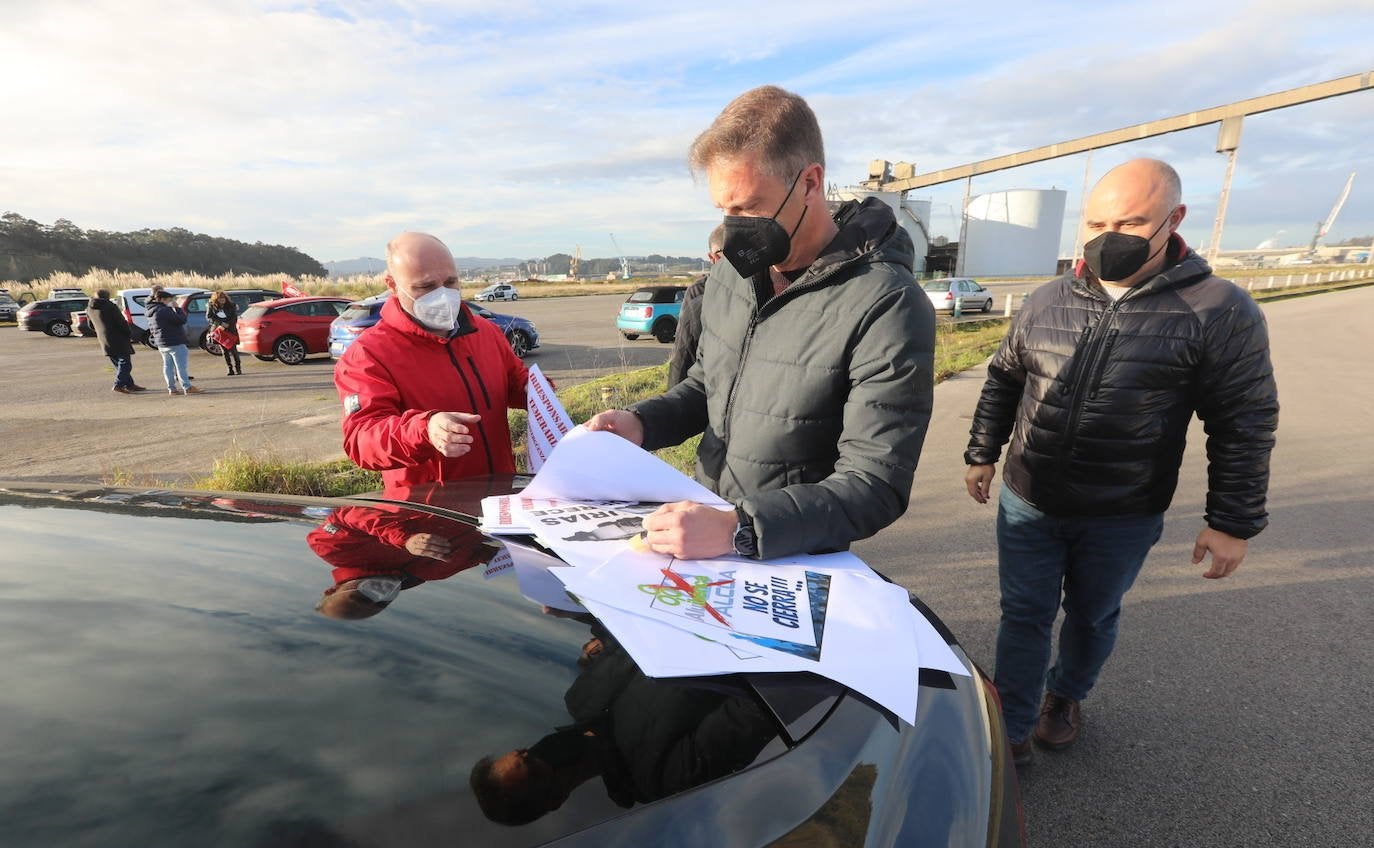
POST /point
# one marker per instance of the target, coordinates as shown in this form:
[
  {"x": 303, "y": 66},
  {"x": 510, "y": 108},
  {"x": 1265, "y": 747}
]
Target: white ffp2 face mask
[{"x": 438, "y": 310}]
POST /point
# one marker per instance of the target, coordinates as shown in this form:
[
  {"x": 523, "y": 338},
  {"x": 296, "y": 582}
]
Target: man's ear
[
  {"x": 390, "y": 283},
  {"x": 1181, "y": 211}
]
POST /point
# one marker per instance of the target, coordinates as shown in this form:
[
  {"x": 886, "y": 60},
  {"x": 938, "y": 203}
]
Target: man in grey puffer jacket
[
  {"x": 814, "y": 385},
  {"x": 1094, "y": 386}
]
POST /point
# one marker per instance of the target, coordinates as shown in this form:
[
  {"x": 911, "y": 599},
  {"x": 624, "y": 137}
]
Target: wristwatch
[{"x": 746, "y": 541}]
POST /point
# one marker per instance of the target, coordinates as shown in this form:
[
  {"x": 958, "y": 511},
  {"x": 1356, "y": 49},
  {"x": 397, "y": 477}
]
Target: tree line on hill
[{"x": 30, "y": 251}]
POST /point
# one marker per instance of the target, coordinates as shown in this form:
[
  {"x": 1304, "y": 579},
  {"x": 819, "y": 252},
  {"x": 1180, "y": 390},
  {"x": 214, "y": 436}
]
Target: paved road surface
[
  {"x": 1234, "y": 712},
  {"x": 60, "y": 421}
]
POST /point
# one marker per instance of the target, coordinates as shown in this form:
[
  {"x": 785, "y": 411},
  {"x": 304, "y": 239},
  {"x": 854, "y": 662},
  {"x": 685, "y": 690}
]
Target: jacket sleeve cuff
[{"x": 1238, "y": 531}]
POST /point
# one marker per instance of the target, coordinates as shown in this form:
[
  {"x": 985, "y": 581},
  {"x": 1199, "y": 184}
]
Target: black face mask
[
  {"x": 1115, "y": 256},
  {"x": 753, "y": 244},
  {"x": 561, "y": 748}
]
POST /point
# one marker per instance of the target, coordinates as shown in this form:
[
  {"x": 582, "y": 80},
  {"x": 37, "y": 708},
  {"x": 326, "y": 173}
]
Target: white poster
[
  {"x": 792, "y": 615},
  {"x": 548, "y": 421},
  {"x": 585, "y": 533}
]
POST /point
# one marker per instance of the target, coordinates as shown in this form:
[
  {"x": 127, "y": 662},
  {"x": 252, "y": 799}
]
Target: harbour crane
[
  {"x": 1323, "y": 227},
  {"x": 574, "y": 263},
  {"x": 624, "y": 265}
]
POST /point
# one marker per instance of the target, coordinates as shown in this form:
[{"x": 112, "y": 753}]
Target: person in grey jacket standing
[
  {"x": 1094, "y": 386},
  {"x": 813, "y": 389},
  {"x": 112, "y": 331}
]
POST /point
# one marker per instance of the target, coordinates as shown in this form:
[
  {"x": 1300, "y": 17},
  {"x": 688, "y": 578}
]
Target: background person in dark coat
[
  {"x": 112, "y": 331},
  {"x": 167, "y": 329},
  {"x": 221, "y": 312},
  {"x": 689, "y": 318}
]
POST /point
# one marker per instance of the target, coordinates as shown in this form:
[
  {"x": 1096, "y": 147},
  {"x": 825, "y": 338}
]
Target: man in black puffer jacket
[{"x": 1095, "y": 385}]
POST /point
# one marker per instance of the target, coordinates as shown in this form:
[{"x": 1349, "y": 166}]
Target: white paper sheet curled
[
  {"x": 548, "y": 422},
  {"x": 588, "y": 465}
]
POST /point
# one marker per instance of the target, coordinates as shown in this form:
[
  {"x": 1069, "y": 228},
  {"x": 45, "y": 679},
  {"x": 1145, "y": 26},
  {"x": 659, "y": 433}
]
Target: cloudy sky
[{"x": 521, "y": 129}]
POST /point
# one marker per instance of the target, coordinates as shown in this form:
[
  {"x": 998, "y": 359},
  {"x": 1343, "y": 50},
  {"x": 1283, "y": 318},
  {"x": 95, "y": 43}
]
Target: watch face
[{"x": 746, "y": 541}]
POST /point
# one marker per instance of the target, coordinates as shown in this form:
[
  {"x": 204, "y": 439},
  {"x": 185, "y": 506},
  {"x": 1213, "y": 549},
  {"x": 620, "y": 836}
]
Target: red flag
[{"x": 289, "y": 290}]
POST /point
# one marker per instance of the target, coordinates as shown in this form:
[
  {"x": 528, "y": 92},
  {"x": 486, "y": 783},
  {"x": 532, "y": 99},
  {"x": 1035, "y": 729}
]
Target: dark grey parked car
[
  {"x": 241, "y": 670},
  {"x": 9, "y": 307}
]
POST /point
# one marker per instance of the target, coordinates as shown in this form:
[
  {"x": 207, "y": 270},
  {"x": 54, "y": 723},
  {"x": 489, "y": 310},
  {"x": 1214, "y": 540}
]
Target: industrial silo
[
  {"x": 913, "y": 215},
  {"x": 1013, "y": 233}
]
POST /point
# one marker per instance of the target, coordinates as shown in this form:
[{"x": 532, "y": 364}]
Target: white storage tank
[
  {"x": 913, "y": 215},
  {"x": 1013, "y": 233}
]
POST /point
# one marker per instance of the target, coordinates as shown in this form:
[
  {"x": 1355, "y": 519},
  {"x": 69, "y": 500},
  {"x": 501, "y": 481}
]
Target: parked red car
[{"x": 290, "y": 329}]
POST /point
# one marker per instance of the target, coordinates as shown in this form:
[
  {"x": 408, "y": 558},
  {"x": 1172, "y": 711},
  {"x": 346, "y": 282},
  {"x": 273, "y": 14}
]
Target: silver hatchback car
[{"x": 943, "y": 292}]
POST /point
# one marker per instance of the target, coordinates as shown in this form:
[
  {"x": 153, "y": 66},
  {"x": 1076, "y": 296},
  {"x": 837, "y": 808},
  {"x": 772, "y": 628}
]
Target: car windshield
[
  {"x": 641, "y": 296},
  {"x": 255, "y": 312},
  {"x": 937, "y": 286}
]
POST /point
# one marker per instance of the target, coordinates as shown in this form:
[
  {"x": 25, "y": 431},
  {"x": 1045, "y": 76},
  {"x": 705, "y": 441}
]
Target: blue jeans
[
  {"x": 124, "y": 370},
  {"x": 175, "y": 357},
  {"x": 1088, "y": 562}
]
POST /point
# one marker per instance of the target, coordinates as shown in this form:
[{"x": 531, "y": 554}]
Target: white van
[{"x": 132, "y": 303}]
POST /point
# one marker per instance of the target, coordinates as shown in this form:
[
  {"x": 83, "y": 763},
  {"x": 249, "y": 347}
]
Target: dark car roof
[
  {"x": 173, "y": 684},
  {"x": 61, "y": 303},
  {"x": 657, "y": 294},
  {"x": 180, "y": 688}
]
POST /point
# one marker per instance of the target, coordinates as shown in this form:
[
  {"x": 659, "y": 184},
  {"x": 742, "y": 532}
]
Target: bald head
[
  {"x": 1137, "y": 198},
  {"x": 1144, "y": 177},
  {"x": 409, "y": 248}
]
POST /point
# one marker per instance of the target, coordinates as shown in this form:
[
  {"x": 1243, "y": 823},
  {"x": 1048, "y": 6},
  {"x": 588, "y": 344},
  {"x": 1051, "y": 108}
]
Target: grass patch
[
  {"x": 240, "y": 472},
  {"x": 961, "y": 346}
]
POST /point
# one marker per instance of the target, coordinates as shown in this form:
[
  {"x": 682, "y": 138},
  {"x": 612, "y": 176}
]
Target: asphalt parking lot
[{"x": 61, "y": 422}]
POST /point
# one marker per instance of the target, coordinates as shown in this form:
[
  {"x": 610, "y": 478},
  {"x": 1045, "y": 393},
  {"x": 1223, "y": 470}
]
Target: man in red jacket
[{"x": 425, "y": 391}]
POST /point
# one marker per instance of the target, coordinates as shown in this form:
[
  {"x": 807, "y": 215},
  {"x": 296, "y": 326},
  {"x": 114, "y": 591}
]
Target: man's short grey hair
[
  {"x": 1173, "y": 186},
  {"x": 776, "y": 125}
]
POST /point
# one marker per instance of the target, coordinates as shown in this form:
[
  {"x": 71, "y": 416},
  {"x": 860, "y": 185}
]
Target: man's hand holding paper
[
  {"x": 689, "y": 530},
  {"x": 623, "y": 423}
]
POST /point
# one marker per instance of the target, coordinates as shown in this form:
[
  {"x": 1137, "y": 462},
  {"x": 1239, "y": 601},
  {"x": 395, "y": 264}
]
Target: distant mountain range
[{"x": 371, "y": 265}]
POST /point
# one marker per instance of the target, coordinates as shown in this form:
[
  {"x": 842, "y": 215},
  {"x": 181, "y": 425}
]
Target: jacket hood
[{"x": 869, "y": 234}]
